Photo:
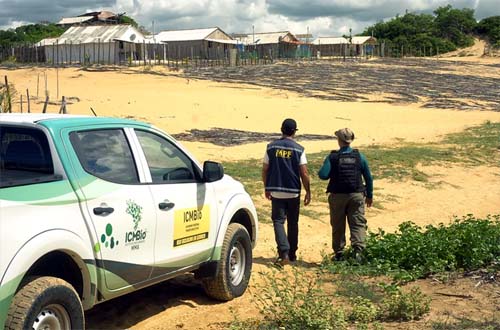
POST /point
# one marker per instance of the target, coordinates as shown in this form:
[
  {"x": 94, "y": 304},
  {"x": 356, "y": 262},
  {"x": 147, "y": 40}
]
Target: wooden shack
[
  {"x": 271, "y": 44},
  {"x": 209, "y": 43}
]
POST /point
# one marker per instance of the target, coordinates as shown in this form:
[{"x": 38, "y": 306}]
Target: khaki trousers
[{"x": 350, "y": 207}]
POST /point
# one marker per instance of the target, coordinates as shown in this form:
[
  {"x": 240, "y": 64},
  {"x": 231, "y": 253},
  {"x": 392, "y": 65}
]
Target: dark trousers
[{"x": 286, "y": 210}]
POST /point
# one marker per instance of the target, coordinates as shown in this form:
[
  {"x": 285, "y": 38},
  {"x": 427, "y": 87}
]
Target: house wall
[
  {"x": 279, "y": 50},
  {"x": 331, "y": 50},
  {"x": 200, "y": 49},
  {"x": 218, "y": 34},
  {"x": 104, "y": 53}
]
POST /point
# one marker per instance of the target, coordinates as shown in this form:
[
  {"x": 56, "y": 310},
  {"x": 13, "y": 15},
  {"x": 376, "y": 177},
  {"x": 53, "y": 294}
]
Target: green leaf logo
[{"x": 135, "y": 211}]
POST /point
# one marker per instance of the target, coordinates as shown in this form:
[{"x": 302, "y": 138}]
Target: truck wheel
[
  {"x": 235, "y": 265},
  {"x": 46, "y": 303}
]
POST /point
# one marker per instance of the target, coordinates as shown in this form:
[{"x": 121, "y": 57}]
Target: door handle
[
  {"x": 165, "y": 206},
  {"x": 103, "y": 210}
]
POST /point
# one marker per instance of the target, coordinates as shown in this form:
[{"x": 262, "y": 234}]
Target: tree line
[{"x": 445, "y": 30}]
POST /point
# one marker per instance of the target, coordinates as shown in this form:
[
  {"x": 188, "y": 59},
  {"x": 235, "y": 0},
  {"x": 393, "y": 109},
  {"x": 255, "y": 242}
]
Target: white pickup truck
[{"x": 93, "y": 208}]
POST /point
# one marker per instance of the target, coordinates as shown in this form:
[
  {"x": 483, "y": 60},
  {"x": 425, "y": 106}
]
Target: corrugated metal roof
[
  {"x": 264, "y": 38},
  {"x": 100, "y": 33},
  {"x": 361, "y": 40},
  {"x": 330, "y": 41},
  {"x": 74, "y": 20},
  {"x": 184, "y": 35},
  {"x": 46, "y": 42},
  {"x": 223, "y": 41}
]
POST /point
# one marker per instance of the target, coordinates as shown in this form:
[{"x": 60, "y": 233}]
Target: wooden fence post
[
  {"x": 45, "y": 104},
  {"x": 9, "y": 103},
  {"x": 28, "y": 96},
  {"x": 63, "y": 105}
]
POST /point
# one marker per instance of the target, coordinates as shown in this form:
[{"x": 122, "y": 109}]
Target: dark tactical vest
[
  {"x": 345, "y": 173},
  {"x": 284, "y": 159}
]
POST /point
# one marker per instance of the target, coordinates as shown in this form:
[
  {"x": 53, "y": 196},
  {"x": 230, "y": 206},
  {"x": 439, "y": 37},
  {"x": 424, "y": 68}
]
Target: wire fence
[{"x": 202, "y": 54}]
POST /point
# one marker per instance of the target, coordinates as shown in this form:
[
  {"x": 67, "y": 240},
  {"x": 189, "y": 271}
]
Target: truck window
[
  {"x": 106, "y": 154},
  {"x": 166, "y": 162},
  {"x": 25, "y": 157}
]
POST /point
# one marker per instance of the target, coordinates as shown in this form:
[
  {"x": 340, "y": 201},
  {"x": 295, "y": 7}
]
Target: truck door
[
  {"x": 121, "y": 209},
  {"x": 186, "y": 208}
]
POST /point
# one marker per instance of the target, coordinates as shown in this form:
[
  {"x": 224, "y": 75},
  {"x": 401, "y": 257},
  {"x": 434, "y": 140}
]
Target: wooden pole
[
  {"x": 9, "y": 103},
  {"x": 63, "y": 105},
  {"x": 45, "y": 104},
  {"x": 57, "y": 79},
  {"x": 28, "y": 98},
  {"x": 46, "y": 90},
  {"x": 21, "y": 103},
  {"x": 37, "y": 84}
]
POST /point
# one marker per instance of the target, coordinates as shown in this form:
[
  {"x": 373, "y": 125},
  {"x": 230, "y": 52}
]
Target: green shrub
[
  {"x": 401, "y": 306},
  {"x": 468, "y": 243},
  {"x": 363, "y": 310},
  {"x": 297, "y": 302}
]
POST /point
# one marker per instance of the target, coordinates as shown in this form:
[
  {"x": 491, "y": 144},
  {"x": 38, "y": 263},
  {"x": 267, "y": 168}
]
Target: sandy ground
[{"x": 176, "y": 104}]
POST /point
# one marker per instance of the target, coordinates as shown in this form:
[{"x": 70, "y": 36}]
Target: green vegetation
[
  {"x": 297, "y": 302},
  {"x": 413, "y": 252},
  {"x": 123, "y": 19},
  {"x": 31, "y": 33},
  {"x": 491, "y": 28},
  {"x": 424, "y": 34},
  {"x": 300, "y": 301},
  {"x": 475, "y": 146}
]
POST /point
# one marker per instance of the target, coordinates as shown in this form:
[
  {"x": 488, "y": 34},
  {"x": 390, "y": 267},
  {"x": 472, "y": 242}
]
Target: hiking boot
[
  {"x": 292, "y": 257},
  {"x": 358, "y": 255},
  {"x": 282, "y": 260},
  {"x": 339, "y": 256}
]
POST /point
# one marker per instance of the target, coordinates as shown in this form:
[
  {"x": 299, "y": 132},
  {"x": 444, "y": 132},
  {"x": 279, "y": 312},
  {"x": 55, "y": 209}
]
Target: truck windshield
[{"x": 25, "y": 157}]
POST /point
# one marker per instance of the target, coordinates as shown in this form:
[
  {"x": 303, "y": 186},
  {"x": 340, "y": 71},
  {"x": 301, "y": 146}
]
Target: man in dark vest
[
  {"x": 285, "y": 166},
  {"x": 345, "y": 169}
]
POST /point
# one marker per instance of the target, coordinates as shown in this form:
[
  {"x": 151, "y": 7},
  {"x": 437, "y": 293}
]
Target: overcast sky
[{"x": 321, "y": 17}]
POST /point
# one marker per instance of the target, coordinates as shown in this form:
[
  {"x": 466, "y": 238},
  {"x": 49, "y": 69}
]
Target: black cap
[{"x": 289, "y": 126}]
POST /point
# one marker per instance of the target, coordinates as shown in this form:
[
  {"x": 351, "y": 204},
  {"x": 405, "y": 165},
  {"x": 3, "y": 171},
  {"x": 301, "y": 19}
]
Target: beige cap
[{"x": 345, "y": 134}]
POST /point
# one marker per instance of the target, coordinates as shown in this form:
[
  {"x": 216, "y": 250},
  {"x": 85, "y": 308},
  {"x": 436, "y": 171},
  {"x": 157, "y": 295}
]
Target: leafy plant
[
  {"x": 297, "y": 301},
  {"x": 401, "y": 306},
  {"x": 363, "y": 310},
  {"x": 413, "y": 252}
]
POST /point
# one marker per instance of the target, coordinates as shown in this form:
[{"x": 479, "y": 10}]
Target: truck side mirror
[{"x": 212, "y": 171}]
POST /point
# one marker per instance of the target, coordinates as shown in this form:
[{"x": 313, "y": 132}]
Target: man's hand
[
  {"x": 369, "y": 202},
  {"x": 268, "y": 194},
  {"x": 307, "y": 198}
]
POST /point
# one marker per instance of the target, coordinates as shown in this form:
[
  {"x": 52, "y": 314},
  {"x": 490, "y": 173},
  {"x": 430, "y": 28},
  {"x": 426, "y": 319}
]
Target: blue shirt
[{"x": 324, "y": 171}]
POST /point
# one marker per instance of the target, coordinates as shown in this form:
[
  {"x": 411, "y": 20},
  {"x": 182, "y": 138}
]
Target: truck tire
[
  {"x": 46, "y": 303},
  {"x": 235, "y": 265}
]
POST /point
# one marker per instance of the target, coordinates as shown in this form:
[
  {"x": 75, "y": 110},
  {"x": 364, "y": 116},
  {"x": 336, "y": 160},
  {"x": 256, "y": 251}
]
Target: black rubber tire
[
  {"x": 220, "y": 287},
  {"x": 39, "y": 293}
]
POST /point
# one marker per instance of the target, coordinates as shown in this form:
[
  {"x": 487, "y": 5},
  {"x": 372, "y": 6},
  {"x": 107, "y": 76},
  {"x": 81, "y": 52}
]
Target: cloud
[
  {"x": 322, "y": 17},
  {"x": 34, "y": 11}
]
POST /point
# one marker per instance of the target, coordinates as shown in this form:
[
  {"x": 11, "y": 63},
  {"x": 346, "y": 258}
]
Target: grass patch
[{"x": 478, "y": 145}]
